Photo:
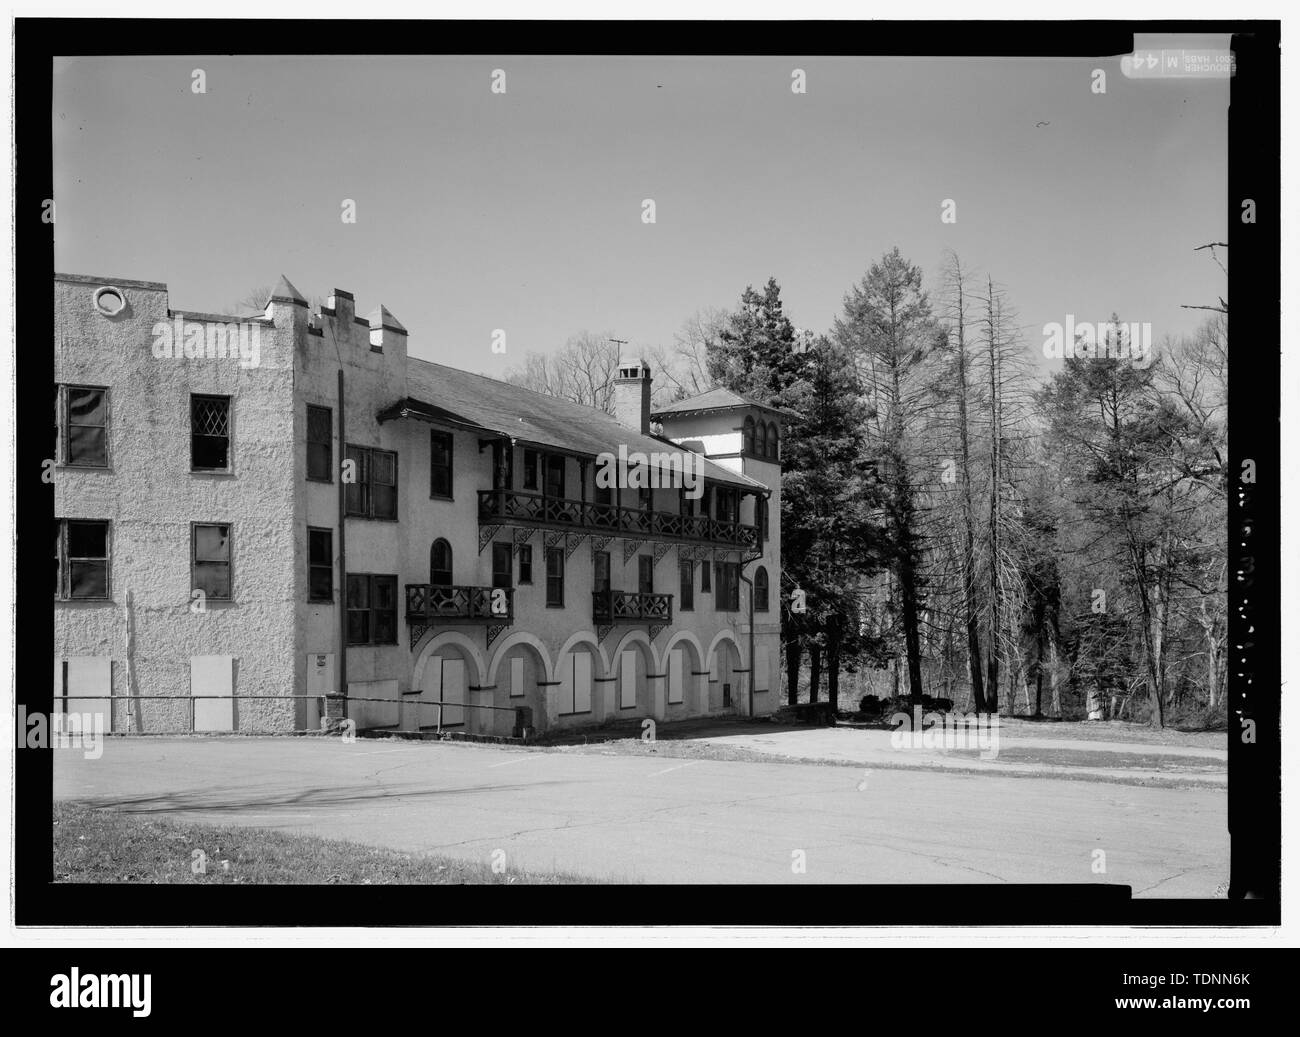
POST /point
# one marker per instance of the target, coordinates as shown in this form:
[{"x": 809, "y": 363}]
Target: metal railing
[
  {"x": 528, "y": 508},
  {"x": 405, "y": 700}
]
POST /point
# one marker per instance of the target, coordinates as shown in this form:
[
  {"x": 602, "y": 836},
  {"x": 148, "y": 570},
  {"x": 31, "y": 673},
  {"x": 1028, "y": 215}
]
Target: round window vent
[{"x": 109, "y": 301}]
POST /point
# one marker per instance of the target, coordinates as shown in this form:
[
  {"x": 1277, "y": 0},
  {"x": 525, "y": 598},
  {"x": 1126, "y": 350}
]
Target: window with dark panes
[
  {"x": 760, "y": 590},
  {"x": 526, "y": 563},
  {"x": 773, "y": 445},
  {"x": 503, "y": 465},
  {"x": 372, "y": 609},
  {"x": 645, "y": 574},
  {"x": 85, "y": 432},
  {"x": 729, "y": 587},
  {"x": 530, "y": 469},
  {"x": 760, "y": 440},
  {"x": 356, "y": 485},
  {"x": 502, "y": 565},
  {"x": 706, "y": 577},
  {"x": 645, "y": 497},
  {"x": 320, "y": 564},
  {"x": 210, "y": 567},
  {"x": 602, "y": 570},
  {"x": 760, "y": 516},
  {"x": 554, "y": 576},
  {"x": 747, "y": 436},
  {"x": 209, "y": 433},
  {"x": 81, "y": 549},
  {"x": 383, "y": 484},
  {"x": 372, "y": 493},
  {"x": 320, "y": 444},
  {"x": 440, "y": 563},
  {"x": 554, "y": 475},
  {"x": 687, "y": 586},
  {"x": 439, "y": 463}
]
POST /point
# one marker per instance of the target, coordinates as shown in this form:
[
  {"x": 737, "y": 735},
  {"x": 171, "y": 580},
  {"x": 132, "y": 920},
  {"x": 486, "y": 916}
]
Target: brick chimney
[{"x": 632, "y": 395}]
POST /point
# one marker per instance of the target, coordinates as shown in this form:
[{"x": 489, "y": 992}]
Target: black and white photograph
[{"x": 708, "y": 465}]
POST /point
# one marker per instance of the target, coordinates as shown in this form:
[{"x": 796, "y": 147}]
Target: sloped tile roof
[
  {"x": 717, "y": 399},
  {"x": 538, "y": 419}
]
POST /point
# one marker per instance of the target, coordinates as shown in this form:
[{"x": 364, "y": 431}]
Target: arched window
[
  {"x": 748, "y": 444},
  {"x": 760, "y": 440},
  {"x": 760, "y": 590},
  {"x": 772, "y": 443},
  {"x": 440, "y": 563}
]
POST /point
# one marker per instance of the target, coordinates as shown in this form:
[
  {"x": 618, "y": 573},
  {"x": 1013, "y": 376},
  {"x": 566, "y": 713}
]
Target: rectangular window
[
  {"x": 530, "y": 469},
  {"x": 209, "y": 433},
  {"x": 81, "y": 557},
  {"x": 82, "y": 425},
  {"x": 439, "y": 464},
  {"x": 372, "y": 493},
  {"x": 645, "y": 574},
  {"x": 555, "y": 475},
  {"x": 210, "y": 560},
  {"x": 760, "y": 512},
  {"x": 602, "y": 570},
  {"x": 706, "y": 577},
  {"x": 555, "y": 576},
  {"x": 688, "y": 586},
  {"x": 502, "y": 576},
  {"x": 320, "y": 564},
  {"x": 320, "y": 444},
  {"x": 526, "y": 563},
  {"x": 728, "y": 587},
  {"x": 503, "y": 465},
  {"x": 645, "y": 498},
  {"x": 372, "y": 609}
]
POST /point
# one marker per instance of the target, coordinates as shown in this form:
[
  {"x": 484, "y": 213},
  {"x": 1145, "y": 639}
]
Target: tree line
[{"x": 961, "y": 527}]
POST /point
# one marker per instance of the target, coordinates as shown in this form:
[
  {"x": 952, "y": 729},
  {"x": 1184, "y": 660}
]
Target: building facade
[{"x": 268, "y": 521}]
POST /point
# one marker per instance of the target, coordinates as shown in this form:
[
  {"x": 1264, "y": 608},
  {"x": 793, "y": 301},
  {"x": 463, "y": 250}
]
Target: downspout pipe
[{"x": 343, "y": 566}]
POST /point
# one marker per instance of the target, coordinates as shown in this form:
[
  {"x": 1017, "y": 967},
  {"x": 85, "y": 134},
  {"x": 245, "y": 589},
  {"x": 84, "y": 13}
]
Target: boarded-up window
[
  {"x": 210, "y": 563},
  {"x": 676, "y": 675},
  {"x": 212, "y": 685},
  {"x": 575, "y": 684},
  {"x": 516, "y": 678},
  {"x": 627, "y": 681}
]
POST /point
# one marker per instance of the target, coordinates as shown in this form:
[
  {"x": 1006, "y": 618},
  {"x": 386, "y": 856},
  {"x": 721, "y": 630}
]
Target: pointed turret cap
[
  {"x": 381, "y": 318},
  {"x": 286, "y": 292}
]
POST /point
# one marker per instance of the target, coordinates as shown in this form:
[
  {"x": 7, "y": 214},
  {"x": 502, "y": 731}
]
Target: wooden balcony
[
  {"x": 428, "y": 603},
  {"x": 609, "y": 608},
  {"x": 525, "y": 508}
]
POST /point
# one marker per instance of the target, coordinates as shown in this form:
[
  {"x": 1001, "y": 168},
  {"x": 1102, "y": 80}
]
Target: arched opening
[
  {"x": 725, "y": 690},
  {"x": 685, "y": 685},
  {"x": 760, "y": 589},
  {"x": 772, "y": 443},
  {"x": 449, "y": 667},
  {"x": 520, "y": 676},
  {"x": 747, "y": 435},
  {"x": 760, "y": 440}
]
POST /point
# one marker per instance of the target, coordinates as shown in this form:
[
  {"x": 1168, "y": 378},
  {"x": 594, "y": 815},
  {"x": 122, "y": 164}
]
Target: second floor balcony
[
  {"x": 433, "y": 603},
  {"x": 614, "y": 607},
  {"x": 526, "y": 508}
]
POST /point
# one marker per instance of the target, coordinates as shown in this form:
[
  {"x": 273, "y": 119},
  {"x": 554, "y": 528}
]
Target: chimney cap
[{"x": 633, "y": 367}]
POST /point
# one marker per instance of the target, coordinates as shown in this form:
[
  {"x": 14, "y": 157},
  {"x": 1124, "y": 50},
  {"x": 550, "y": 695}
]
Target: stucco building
[{"x": 267, "y": 520}]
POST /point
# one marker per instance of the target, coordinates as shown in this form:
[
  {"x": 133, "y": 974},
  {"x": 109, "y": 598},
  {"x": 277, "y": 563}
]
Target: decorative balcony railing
[
  {"x": 613, "y": 607},
  {"x": 431, "y": 603},
  {"x": 524, "y": 507}
]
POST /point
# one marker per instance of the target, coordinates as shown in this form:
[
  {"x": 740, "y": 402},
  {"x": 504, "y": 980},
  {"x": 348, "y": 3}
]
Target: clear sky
[{"x": 522, "y": 211}]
